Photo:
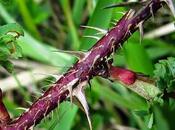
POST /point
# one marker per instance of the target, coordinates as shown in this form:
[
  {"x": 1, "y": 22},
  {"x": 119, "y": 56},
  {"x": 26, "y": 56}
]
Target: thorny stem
[{"x": 91, "y": 65}]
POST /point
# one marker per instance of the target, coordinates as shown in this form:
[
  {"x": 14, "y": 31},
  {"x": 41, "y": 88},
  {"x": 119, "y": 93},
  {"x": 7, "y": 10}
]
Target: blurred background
[{"x": 56, "y": 24}]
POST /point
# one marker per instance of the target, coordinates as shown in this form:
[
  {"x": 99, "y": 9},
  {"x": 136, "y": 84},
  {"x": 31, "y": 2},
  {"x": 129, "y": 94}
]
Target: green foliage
[
  {"x": 6, "y": 2},
  {"x": 165, "y": 74},
  {"x": 99, "y": 15},
  {"x": 134, "y": 52},
  {"x": 9, "y": 47},
  {"x": 28, "y": 20}
]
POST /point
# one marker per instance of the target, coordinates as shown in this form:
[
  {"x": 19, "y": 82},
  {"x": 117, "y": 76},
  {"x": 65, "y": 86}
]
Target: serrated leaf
[
  {"x": 7, "y": 38},
  {"x": 165, "y": 74},
  {"x": 8, "y": 45}
]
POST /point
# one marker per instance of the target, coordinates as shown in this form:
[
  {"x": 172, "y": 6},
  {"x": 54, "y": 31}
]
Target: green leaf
[
  {"x": 6, "y": 2},
  {"x": 18, "y": 51},
  {"x": 98, "y": 122},
  {"x": 37, "y": 50},
  {"x": 68, "y": 116},
  {"x": 8, "y": 35},
  {"x": 7, "y": 38},
  {"x": 160, "y": 121},
  {"x": 7, "y": 65},
  {"x": 138, "y": 59},
  {"x": 62, "y": 118},
  {"x": 8, "y": 45},
  {"x": 151, "y": 120},
  {"x": 4, "y": 52},
  {"x": 128, "y": 102},
  {"x": 27, "y": 18},
  {"x": 141, "y": 113},
  {"x": 100, "y": 18},
  {"x": 11, "y": 28},
  {"x": 165, "y": 74},
  {"x": 78, "y": 11},
  {"x": 68, "y": 15},
  {"x": 146, "y": 90}
]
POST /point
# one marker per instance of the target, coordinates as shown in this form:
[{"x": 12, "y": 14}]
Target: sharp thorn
[
  {"x": 100, "y": 33},
  {"x": 29, "y": 102},
  {"x": 140, "y": 25},
  {"x": 116, "y": 20},
  {"x": 130, "y": 14},
  {"x": 21, "y": 108},
  {"x": 70, "y": 87},
  {"x": 121, "y": 45},
  {"x": 93, "y": 37},
  {"x": 119, "y": 12},
  {"x": 103, "y": 31},
  {"x": 78, "y": 54},
  {"x": 129, "y": 32},
  {"x": 71, "y": 94},
  {"x": 113, "y": 23},
  {"x": 89, "y": 82},
  {"x": 152, "y": 13},
  {"x": 37, "y": 93},
  {"x": 80, "y": 96},
  {"x": 170, "y": 4}
]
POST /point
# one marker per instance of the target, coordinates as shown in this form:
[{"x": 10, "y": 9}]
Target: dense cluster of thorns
[{"x": 95, "y": 62}]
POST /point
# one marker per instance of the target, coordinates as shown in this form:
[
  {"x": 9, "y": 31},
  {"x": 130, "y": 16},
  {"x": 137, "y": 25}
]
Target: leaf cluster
[
  {"x": 165, "y": 74},
  {"x": 9, "y": 47}
]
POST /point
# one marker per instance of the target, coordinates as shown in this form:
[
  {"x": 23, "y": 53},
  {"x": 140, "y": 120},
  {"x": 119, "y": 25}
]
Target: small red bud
[{"x": 125, "y": 76}]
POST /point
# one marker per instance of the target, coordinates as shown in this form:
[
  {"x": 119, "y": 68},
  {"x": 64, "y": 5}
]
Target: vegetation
[{"x": 33, "y": 36}]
